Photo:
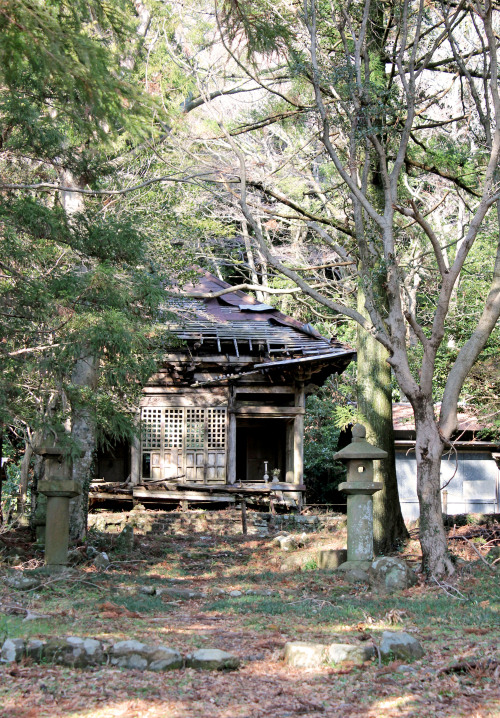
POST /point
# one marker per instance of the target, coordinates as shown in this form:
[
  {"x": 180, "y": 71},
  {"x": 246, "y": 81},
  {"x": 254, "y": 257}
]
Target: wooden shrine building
[{"x": 224, "y": 416}]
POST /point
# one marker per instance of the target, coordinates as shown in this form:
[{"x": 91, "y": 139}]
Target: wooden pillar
[
  {"x": 298, "y": 436},
  {"x": 135, "y": 457},
  {"x": 231, "y": 448}
]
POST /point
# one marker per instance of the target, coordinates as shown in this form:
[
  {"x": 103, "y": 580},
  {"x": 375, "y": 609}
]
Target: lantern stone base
[
  {"x": 359, "y": 519},
  {"x": 58, "y": 493}
]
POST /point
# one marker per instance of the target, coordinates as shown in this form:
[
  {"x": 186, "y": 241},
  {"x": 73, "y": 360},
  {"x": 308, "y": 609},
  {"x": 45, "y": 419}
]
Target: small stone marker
[
  {"x": 388, "y": 573},
  {"x": 400, "y": 645}
]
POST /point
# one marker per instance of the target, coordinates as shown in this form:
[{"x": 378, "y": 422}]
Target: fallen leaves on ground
[{"x": 457, "y": 678}]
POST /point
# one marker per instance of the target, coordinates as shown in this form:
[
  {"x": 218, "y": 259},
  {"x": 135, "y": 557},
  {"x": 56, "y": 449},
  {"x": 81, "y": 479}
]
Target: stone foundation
[{"x": 211, "y": 522}]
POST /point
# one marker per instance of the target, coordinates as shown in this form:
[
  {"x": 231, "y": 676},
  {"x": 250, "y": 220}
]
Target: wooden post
[
  {"x": 444, "y": 502},
  {"x": 231, "y": 448},
  {"x": 135, "y": 460},
  {"x": 135, "y": 452},
  {"x": 298, "y": 436}
]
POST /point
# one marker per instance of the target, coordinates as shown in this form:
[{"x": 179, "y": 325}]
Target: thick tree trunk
[
  {"x": 429, "y": 448},
  {"x": 83, "y": 432},
  {"x": 375, "y": 403}
]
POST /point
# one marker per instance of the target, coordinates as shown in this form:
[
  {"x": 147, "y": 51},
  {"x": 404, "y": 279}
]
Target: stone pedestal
[
  {"x": 58, "y": 488},
  {"x": 360, "y": 519},
  {"x": 58, "y": 493}
]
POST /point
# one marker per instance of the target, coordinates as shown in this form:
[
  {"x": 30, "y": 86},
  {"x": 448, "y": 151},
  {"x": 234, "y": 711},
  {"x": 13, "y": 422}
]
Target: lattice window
[
  {"x": 184, "y": 441},
  {"x": 195, "y": 428},
  {"x": 216, "y": 424},
  {"x": 151, "y": 428},
  {"x": 174, "y": 419}
]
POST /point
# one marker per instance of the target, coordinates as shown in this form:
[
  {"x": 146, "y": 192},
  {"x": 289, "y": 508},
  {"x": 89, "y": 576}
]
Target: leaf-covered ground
[{"x": 458, "y": 623}]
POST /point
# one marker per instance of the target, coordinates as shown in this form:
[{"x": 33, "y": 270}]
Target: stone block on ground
[
  {"x": 21, "y": 582},
  {"x": 163, "y": 658},
  {"x": 134, "y": 654},
  {"x": 388, "y": 574},
  {"x": 286, "y": 543},
  {"x": 342, "y": 652},
  {"x": 331, "y": 558},
  {"x": 314, "y": 655},
  {"x": 300, "y": 654},
  {"x": 400, "y": 645},
  {"x": 101, "y": 561},
  {"x": 73, "y": 651},
  {"x": 297, "y": 561},
  {"x": 35, "y": 649},
  {"x": 147, "y": 590},
  {"x": 212, "y": 659},
  {"x": 12, "y": 650}
]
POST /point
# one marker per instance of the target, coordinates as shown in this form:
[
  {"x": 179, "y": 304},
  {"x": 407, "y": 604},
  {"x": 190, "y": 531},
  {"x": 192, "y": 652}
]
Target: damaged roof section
[{"x": 237, "y": 325}]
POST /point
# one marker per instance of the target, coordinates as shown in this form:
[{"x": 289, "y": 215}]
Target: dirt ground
[{"x": 457, "y": 622}]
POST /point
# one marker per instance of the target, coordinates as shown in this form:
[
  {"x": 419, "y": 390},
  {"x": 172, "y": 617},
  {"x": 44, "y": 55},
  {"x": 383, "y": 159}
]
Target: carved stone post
[
  {"x": 360, "y": 487},
  {"x": 59, "y": 488}
]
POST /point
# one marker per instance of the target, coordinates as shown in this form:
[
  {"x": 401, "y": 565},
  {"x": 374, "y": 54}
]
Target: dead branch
[{"x": 455, "y": 538}]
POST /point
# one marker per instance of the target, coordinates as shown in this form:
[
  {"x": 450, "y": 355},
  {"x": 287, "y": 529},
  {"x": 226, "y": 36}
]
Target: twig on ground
[
  {"x": 446, "y": 586},
  {"x": 114, "y": 563}
]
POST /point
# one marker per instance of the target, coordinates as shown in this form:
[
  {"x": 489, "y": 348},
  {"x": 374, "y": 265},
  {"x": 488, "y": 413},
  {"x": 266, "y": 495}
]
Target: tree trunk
[
  {"x": 375, "y": 403},
  {"x": 83, "y": 432},
  {"x": 428, "y": 449},
  {"x": 24, "y": 478}
]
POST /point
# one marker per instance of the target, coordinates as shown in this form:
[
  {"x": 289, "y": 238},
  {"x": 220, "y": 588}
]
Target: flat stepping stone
[
  {"x": 212, "y": 659},
  {"x": 314, "y": 655}
]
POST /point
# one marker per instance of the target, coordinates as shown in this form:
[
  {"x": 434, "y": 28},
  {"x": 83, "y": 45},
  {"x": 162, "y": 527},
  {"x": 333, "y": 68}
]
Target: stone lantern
[
  {"x": 360, "y": 487},
  {"x": 59, "y": 488}
]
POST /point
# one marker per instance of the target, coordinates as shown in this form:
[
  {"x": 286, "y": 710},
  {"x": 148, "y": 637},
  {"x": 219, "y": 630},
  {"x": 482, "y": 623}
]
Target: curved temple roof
[{"x": 237, "y": 325}]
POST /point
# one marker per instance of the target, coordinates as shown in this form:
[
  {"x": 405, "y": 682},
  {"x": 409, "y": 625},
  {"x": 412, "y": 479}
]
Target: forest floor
[{"x": 457, "y": 622}]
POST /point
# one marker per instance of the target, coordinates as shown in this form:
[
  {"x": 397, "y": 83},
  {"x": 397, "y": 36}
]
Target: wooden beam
[
  {"x": 195, "y": 496},
  {"x": 278, "y": 411},
  {"x": 106, "y": 495},
  {"x": 264, "y": 390},
  {"x": 243, "y": 489}
]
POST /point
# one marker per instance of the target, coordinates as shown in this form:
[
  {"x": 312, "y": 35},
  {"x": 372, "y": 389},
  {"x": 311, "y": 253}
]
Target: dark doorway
[
  {"x": 257, "y": 441},
  {"x": 113, "y": 462}
]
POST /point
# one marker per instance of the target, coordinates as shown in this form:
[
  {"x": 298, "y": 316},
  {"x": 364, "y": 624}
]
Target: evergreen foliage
[{"x": 80, "y": 284}]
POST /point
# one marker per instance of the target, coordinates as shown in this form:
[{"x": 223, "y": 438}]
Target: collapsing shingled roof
[{"x": 235, "y": 324}]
